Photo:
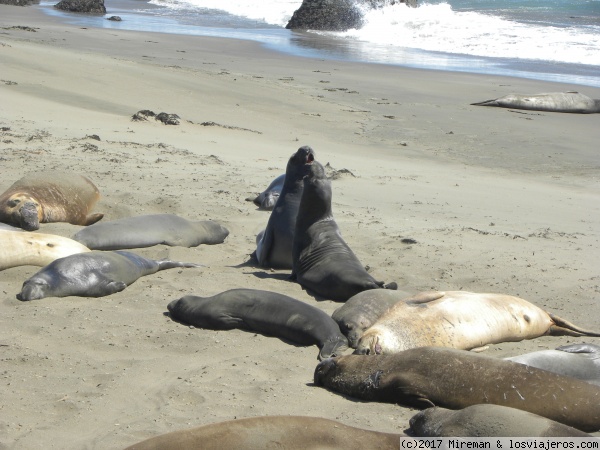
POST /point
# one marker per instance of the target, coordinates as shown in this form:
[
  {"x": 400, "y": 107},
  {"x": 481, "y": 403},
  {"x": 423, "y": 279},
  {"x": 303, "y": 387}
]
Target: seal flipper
[
  {"x": 93, "y": 218},
  {"x": 168, "y": 264},
  {"x": 580, "y": 348},
  {"x": 392, "y": 286},
  {"x": 492, "y": 102},
  {"x": 103, "y": 288},
  {"x": 263, "y": 246},
  {"x": 562, "y": 327}
]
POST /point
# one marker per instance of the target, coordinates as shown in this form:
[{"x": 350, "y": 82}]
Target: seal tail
[
  {"x": 168, "y": 264},
  {"x": 563, "y": 327}
]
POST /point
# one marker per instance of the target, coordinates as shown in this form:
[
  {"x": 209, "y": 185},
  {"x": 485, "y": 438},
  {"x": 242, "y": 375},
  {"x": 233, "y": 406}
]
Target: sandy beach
[{"x": 496, "y": 200}]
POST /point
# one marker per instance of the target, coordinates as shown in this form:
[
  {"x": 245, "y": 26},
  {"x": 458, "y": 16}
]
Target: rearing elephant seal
[
  {"x": 435, "y": 376},
  {"x": 566, "y": 102},
  {"x": 44, "y": 197}
]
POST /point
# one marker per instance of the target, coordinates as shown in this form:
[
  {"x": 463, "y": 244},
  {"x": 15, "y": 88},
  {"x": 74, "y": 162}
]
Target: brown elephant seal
[
  {"x": 92, "y": 274},
  {"x": 274, "y": 244},
  {"x": 149, "y": 230},
  {"x": 20, "y": 248},
  {"x": 265, "y": 312},
  {"x": 45, "y": 197},
  {"x": 463, "y": 320},
  {"x": 322, "y": 261},
  {"x": 281, "y": 432},
  {"x": 565, "y": 102},
  {"x": 267, "y": 199},
  {"x": 489, "y": 421},
  {"x": 436, "y": 376}
]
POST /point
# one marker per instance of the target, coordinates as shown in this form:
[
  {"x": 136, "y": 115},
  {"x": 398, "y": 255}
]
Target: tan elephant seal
[
  {"x": 463, "y": 320},
  {"x": 44, "y": 197}
]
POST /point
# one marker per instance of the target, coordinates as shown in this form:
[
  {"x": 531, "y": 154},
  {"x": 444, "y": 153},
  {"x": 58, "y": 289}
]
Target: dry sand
[{"x": 497, "y": 200}]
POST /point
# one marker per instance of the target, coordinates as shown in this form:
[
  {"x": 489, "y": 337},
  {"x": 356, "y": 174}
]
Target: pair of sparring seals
[
  {"x": 149, "y": 230},
  {"x": 463, "y": 320},
  {"x": 92, "y": 274},
  {"x": 565, "y": 102},
  {"x": 264, "y": 312},
  {"x": 44, "y": 197},
  {"x": 267, "y": 199},
  {"x": 435, "y": 376},
  {"x": 322, "y": 261}
]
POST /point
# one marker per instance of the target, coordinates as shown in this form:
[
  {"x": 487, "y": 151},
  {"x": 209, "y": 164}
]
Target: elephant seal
[
  {"x": 149, "y": 230},
  {"x": 487, "y": 420},
  {"x": 92, "y": 274},
  {"x": 463, "y": 320},
  {"x": 363, "y": 309},
  {"x": 436, "y": 376},
  {"x": 20, "y": 248},
  {"x": 269, "y": 432},
  {"x": 581, "y": 361},
  {"x": 565, "y": 102},
  {"x": 322, "y": 261},
  {"x": 44, "y": 197},
  {"x": 274, "y": 246},
  {"x": 266, "y": 200},
  {"x": 265, "y": 312}
]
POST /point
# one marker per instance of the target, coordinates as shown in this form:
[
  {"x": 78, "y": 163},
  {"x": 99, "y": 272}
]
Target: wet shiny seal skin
[
  {"x": 274, "y": 244},
  {"x": 267, "y": 199},
  {"x": 265, "y": 312},
  {"x": 435, "y": 376},
  {"x": 149, "y": 230},
  {"x": 92, "y": 274},
  {"x": 274, "y": 432},
  {"x": 565, "y": 102},
  {"x": 45, "y": 197},
  {"x": 487, "y": 420},
  {"x": 463, "y": 320},
  {"x": 322, "y": 261}
]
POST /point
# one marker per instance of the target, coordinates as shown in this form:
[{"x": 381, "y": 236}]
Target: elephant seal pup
[
  {"x": 363, "y": 309},
  {"x": 322, "y": 261},
  {"x": 566, "y": 102},
  {"x": 274, "y": 245},
  {"x": 92, "y": 274},
  {"x": 435, "y": 376},
  {"x": 44, "y": 197},
  {"x": 266, "y": 200},
  {"x": 264, "y": 312},
  {"x": 487, "y": 420},
  {"x": 581, "y": 361},
  {"x": 20, "y": 248},
  {"x": 149, "y": 230},
  {"x": 269, "y": 432},
  {"x": 463, "y": 320}
]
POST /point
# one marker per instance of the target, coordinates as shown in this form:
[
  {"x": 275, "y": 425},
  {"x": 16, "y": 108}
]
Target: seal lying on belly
[
  {"x": 264, "y": 312},
  {"x": 44, "y": 197},
  {"x": 565, "y": 102},
  {"x": 435, "y": 376},
  {"x": 149, "y": 230},
  {"x": 92, "y": 274},
  {"x": 268, "y": 198}
]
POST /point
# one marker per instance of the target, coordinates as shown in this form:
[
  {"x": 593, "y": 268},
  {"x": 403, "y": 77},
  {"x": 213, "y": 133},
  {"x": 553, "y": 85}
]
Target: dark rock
[
  {"x": 19, "y": 2},
  {"x": 115, "y": 18},
  {"x": 143, "y": 115},
  {"x": 168, "y": 119},
  {"x": 82, "y": 6}
]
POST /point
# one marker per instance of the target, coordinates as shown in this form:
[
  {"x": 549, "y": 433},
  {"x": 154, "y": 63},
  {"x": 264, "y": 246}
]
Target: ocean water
[{"x": 556, "y": 40}]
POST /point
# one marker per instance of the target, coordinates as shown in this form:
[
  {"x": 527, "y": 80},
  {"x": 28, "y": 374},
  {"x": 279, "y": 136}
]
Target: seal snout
[
  {"x": 324, "y": 368},
  {"x": 28, "y": 216},
  {"x": 32, "y": 290}
]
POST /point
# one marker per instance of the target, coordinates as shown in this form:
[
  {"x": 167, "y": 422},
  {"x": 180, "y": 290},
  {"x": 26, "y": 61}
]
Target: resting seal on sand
[
  {"x": 436, "y": 376},
  {"x": 274, "y": 245},
  {"x": 19, "y": 248},
  {"x": 149, "y": 230},
  {"x": 265, "y": 312},
  {"x": 266, "y": 200},
  {"x": 322, "y": 261},
  {"x": 487, "y": 420},
  {"x": 282, "y": 432},
  {"x": 463, "y": 320},
  {"x": 44, "y": 197},
  {"x": 566, "y": 102},
  {"x": 92, "y": 274}
]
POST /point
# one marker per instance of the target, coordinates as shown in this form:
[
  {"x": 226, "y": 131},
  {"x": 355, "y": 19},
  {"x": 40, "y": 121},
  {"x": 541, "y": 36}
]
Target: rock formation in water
[{"x": 82, "y": 6}]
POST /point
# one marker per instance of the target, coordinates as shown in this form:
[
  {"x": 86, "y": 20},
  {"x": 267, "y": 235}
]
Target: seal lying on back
[
  {"x": 566, "y": 102},
  {"x": 436, "y": 376},
  {"x": 487, "y": 420},
  {"x": 463, "y": 320},
  {"x": 265, "y": 312},
  {"x": 45, "y": 197},
  {"x": 266, "y": 200},
  {"x": 149, "y": 230},
  {"x": 322, "y": 261},
  {"x": 269, "y": 432},
  {"x": 92, "y": 274}
]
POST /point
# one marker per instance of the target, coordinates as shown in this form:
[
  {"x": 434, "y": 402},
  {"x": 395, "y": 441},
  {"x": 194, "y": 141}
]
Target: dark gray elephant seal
[
  {"x": 487, "y": 420},
  {"x": 565, "y": 102},
  {"x": 149, "y": 230},
  {"x": 268, "y": 198},
  {"x": 436, "y": 376},
  {"x": 274, "y": 246},
  {"x": 92, "y": 274},
  {"x": 322, "y": 261},
  {"x": 265, "y": 312},
  {"x": 581, "y": 361}
]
